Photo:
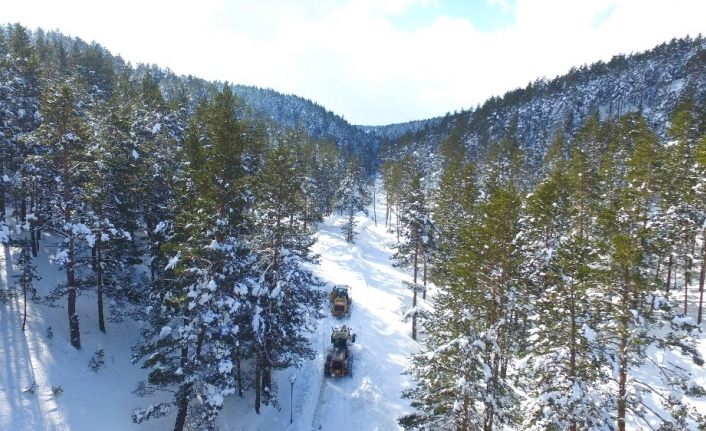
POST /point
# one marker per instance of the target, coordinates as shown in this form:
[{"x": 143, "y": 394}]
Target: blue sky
[
  {"x": 482, "y": 14},
  {"x": 371, "y": 61}
]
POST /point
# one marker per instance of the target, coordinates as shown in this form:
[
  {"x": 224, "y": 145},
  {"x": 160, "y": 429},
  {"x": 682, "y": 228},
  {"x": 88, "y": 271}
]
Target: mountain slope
[{"x": 652, "y": 82}]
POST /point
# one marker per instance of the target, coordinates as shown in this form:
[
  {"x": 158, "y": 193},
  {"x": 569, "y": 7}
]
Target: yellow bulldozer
[
  {"x": 338, "y": 361},
  {"x": 340, "y": 300}
]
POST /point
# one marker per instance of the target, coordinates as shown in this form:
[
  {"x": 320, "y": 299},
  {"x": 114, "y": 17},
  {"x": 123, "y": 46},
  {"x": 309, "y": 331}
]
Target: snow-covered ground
[
  {"x": 46, "y": 384},
  {"x": 33, "y": 365}
]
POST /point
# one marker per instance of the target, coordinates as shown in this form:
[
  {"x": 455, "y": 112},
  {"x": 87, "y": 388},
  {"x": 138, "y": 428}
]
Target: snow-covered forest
[{"x": 168, "y": 246}]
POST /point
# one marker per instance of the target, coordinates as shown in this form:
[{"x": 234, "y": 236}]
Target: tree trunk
[
  {"x": 181, "y": 413},
  {"x": 488, "y": 420},
  {"x": 38, "y": 231},
  {"x": 98, "y": 262},
  {"x": 185, "y": 390},
  {"x": 414, "y": 296},
  {"x": 701, "y": 279},
  {"x": 266, "y": 372},
  {"x": 573, "y": 334},
  {"x": 239, "y": 375},
  {"x": 74, "y": 331},
  {"x": 623, "y": 353},
  {"x": 266, "y": 380},
  {"x": 33, "y": 239},
  {"x": 387, "y": 209},
  {"x": 687, "y": 277},
  {"x": 424, "y": 291},
  {"x": 33, "y": 229},
  {"x": 94, "y": 259},
  {"x": 687, "y": 281},
  {"x": 669, "y": 274},
  {"x": 23, "y": 208},
  {"x": 183, "y": 399},
  {"x": 258, "y": 381},
  {"x": 375, "y": 213},
  {"x": 2, "y": 188},
  {"x": 24, "y": 296}
]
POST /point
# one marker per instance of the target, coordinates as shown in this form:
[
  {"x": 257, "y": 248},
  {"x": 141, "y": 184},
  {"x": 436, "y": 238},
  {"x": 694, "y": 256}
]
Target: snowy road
[{"x": 370, "y": 399}]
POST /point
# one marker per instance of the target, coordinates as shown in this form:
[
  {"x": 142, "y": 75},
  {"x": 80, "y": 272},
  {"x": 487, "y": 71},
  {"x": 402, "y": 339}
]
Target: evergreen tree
[
  {"x": 285, "y": 298},
  {"x": 26, "y": 276},
  {"x": 329, "y": 175},
  {"x": 631, "y": 314},
  {"x": 680, "y": 220},
  {"x": 197, "y": 302},
  {"x": 417, "y": 234},
  {"x": 700, "y": 189},
  {"x": 453, "y": 208},
  {"x": 19, "y": 114},
  {"x": 352, "y": 196},
  {"x": 562, "y": 363},
  {"x": 112, "y": 207},
  {"x": 62, "y": 165},
  {"x": 392, "y": 184},
  {"x": 150, "y": 162},
  {"x": 462, "y": 374}
]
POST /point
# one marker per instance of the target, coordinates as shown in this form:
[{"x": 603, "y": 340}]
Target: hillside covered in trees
[
  {"x": 565, "y": 228},
  {"x": 175, "y": 201}
]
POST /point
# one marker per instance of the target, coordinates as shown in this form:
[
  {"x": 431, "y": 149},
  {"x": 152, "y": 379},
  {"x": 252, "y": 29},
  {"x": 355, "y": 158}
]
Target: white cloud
[{"x": 348, "y": 55}]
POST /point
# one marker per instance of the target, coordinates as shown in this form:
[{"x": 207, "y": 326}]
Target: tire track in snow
[
  {"x": 348, "y": 395},
  {"x": 325, "y": 395}
]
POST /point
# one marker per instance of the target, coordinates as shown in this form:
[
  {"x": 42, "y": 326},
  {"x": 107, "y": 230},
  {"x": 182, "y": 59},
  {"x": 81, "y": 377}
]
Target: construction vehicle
[
  {"x": 338, "y": 361},
  {"x": 340, "y": 300}
]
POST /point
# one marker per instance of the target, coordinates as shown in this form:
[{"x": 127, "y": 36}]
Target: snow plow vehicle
[
  {"x": 338, "y": 361},
  {"x": 340, "y": 300}
]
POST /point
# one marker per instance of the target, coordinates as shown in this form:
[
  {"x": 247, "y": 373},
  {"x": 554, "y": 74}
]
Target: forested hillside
[
  {"x": 564, "y": 226},
  {"x": 651, "y": 83},
  {"x": 178, "y": 204}
]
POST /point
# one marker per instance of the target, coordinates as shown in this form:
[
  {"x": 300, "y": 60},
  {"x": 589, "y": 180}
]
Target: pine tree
[
  {"x": 149, "y": 162},
  {"x": 19, "y": 114},
  {"x": 352, "y": 196},
  {"x": 26, "y": 276},
  {"x": 285, "y": 298},
  {"x": 392, "y": 184},
  {"x": 462, "y": 374},
  {"x": 112, "y": 211},
  {"x": 453, "y": 208},
  {"x": 309, "y": 171},
  {"x": 632, "y": 315},
  {"x": 199, "y": 299},
  {"x": 62, "y": 163},
  {"x": 680, "y": 221},
  {"x": 700, "y": 189},
  {"x": 329, "y": 175},
  {"x": 417, "y": 234},
  {"x": 562, "y": 363}
]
